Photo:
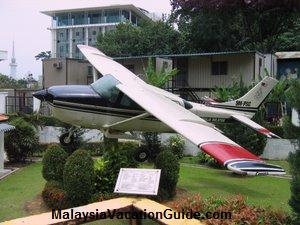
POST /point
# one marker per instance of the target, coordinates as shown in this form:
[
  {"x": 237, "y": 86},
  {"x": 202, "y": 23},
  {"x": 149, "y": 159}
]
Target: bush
[
  {"x": 54, "y": 196},
  {"x": 21, "y": 142},
  {"x": 241, "y": 213},
  {"x": 107, "y": 168},
  {"x": 94, "y": 148},
  {"x": 169, "y": 165},
  {"x": 207, "y": 160},
  {"x": 53, "y": 163},
  {"x": 176, "y": 145},
  {"x": 78, "y": 177},
  {"x": 152, "y": 143},
  {"x": 294, "y": 202}
]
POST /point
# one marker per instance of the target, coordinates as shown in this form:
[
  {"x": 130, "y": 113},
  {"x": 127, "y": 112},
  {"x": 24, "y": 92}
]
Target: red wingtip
[{"x": 224, "y": 152}]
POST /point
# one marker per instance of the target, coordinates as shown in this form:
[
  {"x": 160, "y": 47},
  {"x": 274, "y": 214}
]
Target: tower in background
[{"x": 13, "y": 64}]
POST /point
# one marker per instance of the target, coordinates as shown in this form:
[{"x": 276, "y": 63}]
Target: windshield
[{"x": 106, "y": 87}]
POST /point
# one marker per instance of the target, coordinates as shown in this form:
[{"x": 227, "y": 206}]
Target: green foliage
[
  {"x": 207, "y": 160},
  {"x": 21, "y": 142},
  {"x": 294, "y": 202},
  {"x": 149, "y": 38},
  {"x": 94, "y": 148},
  {"x": 107, "y": 168},
  {"x": 278, "y": 92},
  {"x": 54, "y": 196},
  {"x": 43, "y": 55},
  {"x": 8, "y": 82},
  {"x": 53, "y": 163},
  {"x": 236, "y": 25},
  {"x": 78, "y": 177},
  {"x": 176, "y": 145},
  {"x": 160, "y": 78},
  {"x": 169, "y": 165},
  {"x": 234, "y": 91},
  {"x": 293, "y": 94},
  {"x": 152, "y": 143}
]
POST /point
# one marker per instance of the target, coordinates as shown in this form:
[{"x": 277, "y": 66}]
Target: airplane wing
[
  {"x": 192, "y": 127},
  {"x": 260, "y": 129}
]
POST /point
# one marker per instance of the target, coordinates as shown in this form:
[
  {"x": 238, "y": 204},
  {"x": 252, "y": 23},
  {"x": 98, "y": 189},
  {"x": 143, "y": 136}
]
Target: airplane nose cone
[{"x": 43, "y": 95}]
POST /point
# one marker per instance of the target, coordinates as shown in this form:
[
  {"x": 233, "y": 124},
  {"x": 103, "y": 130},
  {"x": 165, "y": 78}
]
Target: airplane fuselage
[{"x": 81, "y": 106}]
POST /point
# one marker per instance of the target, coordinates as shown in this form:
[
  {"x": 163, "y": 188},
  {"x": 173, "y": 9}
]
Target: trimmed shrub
[
  {"x": 54, "y": 196},
  {"x": 169, "y": 165},
  {"x": 294, "y": 202},
  {"x": 21, "y": 142},
  {"x": 53, "y": 163},
  {"x": 152, "y": 143},
  {"x": 94, "y": 148},
  {"x": 176, "y": 145},
  {"x": 116, "y": 156},
  {"x": 78, "y": 177}
]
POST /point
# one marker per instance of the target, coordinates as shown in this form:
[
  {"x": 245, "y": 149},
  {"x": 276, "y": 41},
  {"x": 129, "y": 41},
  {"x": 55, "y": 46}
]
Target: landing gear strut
[{"x": 67, "y": 139}]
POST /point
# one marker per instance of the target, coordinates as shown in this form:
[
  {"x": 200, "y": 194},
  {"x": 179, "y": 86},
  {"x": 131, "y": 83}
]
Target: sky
[{"x": 22, "y": 22}]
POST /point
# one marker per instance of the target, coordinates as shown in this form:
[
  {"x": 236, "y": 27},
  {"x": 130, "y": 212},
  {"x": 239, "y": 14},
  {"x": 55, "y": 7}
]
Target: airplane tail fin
[{"x": 253, "y": 98}]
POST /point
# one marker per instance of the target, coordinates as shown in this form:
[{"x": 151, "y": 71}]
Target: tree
[
  {"x": 8, "y": 82},
  {"x": 293, "y": 97},
  {"x": 149, "y": 38},
  {"x": 43, "y": 55},
  {"x": 251, "y": 24},
  {"x": 158, "y": 78}
]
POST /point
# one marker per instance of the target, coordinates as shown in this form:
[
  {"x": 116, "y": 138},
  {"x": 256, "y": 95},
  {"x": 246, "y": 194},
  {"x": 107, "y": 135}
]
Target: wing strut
[{"x": 111, "y": 126}]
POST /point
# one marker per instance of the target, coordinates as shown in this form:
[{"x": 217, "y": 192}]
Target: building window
[
  {"x": 61, "y": 35},
  {"x": 219, "y": 68},
  {"x": 77, "y": 34},
  {"x": 125, "y": 15},
  {"x": 112, "y": 16},
  {"x": 94, "y": 32}
]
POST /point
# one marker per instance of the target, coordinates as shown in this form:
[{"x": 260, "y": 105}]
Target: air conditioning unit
[{"x": 57, "y": 65}]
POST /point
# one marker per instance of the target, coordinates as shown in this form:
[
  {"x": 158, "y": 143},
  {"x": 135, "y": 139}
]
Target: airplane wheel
[
  {"x": 141, "y": 155},
  {"x": 65, "y": 140}
]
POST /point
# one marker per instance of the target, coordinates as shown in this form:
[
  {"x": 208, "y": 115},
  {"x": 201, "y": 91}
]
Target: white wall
[{"x": 3, "y": 102}]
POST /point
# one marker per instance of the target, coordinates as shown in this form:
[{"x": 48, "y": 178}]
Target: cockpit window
[{"x": 106, "y": 87}]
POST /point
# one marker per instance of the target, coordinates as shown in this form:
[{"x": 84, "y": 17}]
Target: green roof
[{"x": 189, "y": 54}]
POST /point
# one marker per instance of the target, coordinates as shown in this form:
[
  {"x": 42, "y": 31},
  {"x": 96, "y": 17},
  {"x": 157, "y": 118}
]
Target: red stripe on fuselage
[{"x": 223, "y": 152}]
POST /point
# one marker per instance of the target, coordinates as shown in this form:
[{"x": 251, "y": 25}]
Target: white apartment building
[{"x": 71, "y": 27}]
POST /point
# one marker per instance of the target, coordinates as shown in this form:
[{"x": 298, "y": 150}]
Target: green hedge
[
  {"x": 78, "y": 177},
  {"x": 169, "y": 165},
  {"x": 21, "y": 142},
  {"x": 53, "y": 163}
]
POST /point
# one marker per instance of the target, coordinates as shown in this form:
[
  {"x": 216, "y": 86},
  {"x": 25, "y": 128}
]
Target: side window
[
  {"x": 126, "y": 102},
  {"x": 106, "y": 87}
]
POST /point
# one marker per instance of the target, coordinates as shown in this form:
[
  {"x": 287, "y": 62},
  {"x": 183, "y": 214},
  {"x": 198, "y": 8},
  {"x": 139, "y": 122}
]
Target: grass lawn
[
  {"x": 18, "y": 188},
  {"x": 259, "y": 190},
  {"x": 27, "y": 183}
]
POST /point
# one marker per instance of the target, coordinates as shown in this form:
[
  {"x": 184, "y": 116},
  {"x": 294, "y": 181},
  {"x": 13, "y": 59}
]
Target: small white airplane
[{"x": 120, "y": 102}]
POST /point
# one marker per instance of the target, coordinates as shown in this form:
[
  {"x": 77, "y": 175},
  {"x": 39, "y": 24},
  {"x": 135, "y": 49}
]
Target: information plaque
[{"x": 138, "y": 181}]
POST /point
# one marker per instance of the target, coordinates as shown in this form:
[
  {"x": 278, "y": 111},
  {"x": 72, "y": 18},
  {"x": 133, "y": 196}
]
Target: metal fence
[{"x": 16, "y": 104}]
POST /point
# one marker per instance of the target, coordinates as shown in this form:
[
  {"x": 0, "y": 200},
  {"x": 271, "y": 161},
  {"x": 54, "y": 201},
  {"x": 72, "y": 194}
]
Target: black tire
[
  {"x": 141, "y": 155},
  {"x": 63, "y": 139}
]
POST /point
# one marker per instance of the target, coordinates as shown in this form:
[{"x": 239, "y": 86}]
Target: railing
[
  {"x": 182, "y": 88},
  {"x": 16, "y": 104}
]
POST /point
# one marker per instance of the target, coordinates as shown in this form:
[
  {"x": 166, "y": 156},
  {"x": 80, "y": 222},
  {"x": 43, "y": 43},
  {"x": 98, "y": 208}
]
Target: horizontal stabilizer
[{"x": 260, "y": 129}]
